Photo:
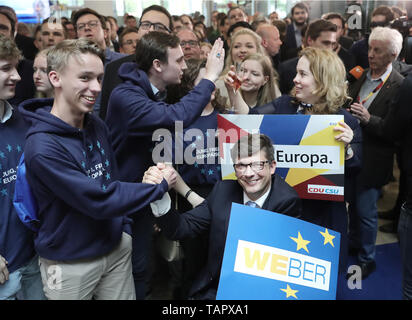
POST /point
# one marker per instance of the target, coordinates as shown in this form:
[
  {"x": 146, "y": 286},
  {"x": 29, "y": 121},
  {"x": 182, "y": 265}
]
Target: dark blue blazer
[
  {"x": 397, "y": 127},
  {"x": 290, "y": 40},
  {"x": 213, "y": 216}
]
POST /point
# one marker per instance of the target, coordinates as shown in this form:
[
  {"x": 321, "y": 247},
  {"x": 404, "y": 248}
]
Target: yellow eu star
[
  {"x": 327, "y": 237},
  {"x": 301, "y": 243},
  {"x": 289, "y": 292}
]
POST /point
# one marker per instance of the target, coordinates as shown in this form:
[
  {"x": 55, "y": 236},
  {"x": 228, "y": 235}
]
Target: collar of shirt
[
  {"x": 6, "y": 111},
  {"x": 154, "y": 89},
  {"x": 382, "y": 77},
  {"x": 259, "y": 201},
  {"x": 298, "y": 35}
]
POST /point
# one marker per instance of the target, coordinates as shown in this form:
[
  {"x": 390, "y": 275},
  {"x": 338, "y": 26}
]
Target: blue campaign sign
[{"x": 270, "y": 256}]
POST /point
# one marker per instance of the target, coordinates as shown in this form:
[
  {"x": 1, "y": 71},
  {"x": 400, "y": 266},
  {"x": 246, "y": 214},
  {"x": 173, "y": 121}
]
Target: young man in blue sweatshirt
[
  {"x": 84, "y": 239},
  {"x": 136, "y": 110},
  {"x": 19, "y": 271}
]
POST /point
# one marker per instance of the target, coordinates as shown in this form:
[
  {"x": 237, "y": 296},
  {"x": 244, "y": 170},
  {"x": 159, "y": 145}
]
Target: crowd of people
[{"x": 83, "y": 98}]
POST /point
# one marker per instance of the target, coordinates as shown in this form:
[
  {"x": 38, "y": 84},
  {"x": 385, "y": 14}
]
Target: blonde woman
[
  {"x": 320, "y": 88},
  {"x": 258, "y": 82},
  {"x": 243, "y": 42}
]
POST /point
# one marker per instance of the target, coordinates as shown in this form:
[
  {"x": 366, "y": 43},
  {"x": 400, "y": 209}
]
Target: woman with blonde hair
[
  {"x": 320, "y": 88},
  {"x": 258, "y": 82},
  {"x": 243, "y": 42}
]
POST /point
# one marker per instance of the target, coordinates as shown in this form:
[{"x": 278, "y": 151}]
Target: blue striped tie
[{"x": 252, "y": 204}]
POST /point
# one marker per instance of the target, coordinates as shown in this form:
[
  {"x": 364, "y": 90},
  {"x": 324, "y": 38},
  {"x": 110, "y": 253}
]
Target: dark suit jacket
[
  {"x": 287, "y": 72},
  {"x": 213, "y": 216},
  {"x": 25, "y": 88},
  {"x": 26, "y": 46},
  {"x": 289, "y": 45},
  {"x": 398, "y": 126},
  {"x": 110, "y": 80},
  {"x": 378, "y": 150}
]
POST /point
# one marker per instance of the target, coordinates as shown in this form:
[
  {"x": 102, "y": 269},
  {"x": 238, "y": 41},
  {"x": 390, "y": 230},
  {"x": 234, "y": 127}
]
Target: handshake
[{"x": 156, "y": 174}]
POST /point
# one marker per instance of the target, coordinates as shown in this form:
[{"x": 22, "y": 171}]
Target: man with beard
[{"x": 300, "y": 15}]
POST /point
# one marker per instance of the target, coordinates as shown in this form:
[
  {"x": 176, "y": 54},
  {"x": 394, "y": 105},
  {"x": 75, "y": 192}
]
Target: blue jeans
[
  {"x": 364, "y": 223},
  {"x": 405, "y": 242},
  {"x": 24, "y": 283}
]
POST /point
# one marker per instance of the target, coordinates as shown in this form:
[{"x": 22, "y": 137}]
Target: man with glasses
[
  {"x": 257, "y": 186},
  {"x": 128, "y": 40},
  {"x": 154, "y": 18},
  {"x": 189, "y": 44},
  {"x": 91, "y": 25}
]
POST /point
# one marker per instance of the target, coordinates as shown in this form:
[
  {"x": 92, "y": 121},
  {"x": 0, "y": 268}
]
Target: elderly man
[
  {"x": 373, "y": 95},
  {"x": 189, "y": 44}
]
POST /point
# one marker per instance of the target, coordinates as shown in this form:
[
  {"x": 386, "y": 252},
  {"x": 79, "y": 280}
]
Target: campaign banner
[
  {"x": 306, "y": 153},
  {"x": 279, "y": 258}
]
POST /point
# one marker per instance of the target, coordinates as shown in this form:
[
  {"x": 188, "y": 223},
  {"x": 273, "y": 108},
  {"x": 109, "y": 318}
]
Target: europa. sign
[{"x": 306, "y": 153}]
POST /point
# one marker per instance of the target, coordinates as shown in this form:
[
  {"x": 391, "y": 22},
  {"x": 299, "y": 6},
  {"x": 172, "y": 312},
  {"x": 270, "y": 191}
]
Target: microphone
[{"x": 354, "y": 74}]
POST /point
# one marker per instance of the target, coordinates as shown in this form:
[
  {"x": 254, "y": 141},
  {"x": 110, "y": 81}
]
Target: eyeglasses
[
  {"x": 145, "y": 25},
  {"x": 191, "y": 43},
  {"x": 91, "y": 24},
  {"x": 255, "y": 166}
]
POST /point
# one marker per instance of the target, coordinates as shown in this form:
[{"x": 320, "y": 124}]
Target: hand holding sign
[{"x": 346, "y": 134}]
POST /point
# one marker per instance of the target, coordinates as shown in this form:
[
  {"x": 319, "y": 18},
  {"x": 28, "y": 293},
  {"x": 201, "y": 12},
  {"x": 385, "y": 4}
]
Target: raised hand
[{"x": 215, "y": 61}]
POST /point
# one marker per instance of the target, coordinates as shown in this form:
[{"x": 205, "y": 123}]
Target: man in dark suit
[
  {"x": 320, "y": 34},
  {"x": 257, "y": 185},
  {"x": 160, "y": 20},
  {"x": 293, "y": 40},
  {"x": 397, "y": 127},
  {"x": 373, "y": 95}
]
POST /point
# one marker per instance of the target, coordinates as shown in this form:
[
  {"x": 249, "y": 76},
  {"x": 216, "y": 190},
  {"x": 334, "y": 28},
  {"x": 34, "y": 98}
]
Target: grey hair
[{"x": 392, "y": 36}]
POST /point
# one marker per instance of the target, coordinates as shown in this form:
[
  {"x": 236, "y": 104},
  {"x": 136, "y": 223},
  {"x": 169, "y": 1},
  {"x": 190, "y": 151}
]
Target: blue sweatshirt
[
  {"x": 134, "y": 114},
  {"x": 72, "y": 172},
  {"x": 204, "y": 149},
  {"x": 16, "y": 241}
]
